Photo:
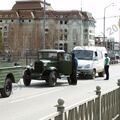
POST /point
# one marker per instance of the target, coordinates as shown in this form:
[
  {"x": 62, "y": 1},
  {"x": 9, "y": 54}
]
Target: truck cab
[
  {"x": 9, "y": 75},
  {"x": 50, "y": 65}
]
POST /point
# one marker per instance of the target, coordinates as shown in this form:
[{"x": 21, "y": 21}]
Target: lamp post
[
  {"x": 104, "y": 25},
  {"x": 44, "y": 17}
]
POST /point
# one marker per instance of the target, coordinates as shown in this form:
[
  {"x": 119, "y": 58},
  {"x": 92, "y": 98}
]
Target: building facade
[{"x": 27, "y": 27}]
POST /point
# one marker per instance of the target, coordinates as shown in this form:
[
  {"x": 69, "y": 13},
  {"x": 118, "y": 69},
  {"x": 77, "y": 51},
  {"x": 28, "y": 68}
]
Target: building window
[
  {"x": 66, "y": 22},
  {"x": 29, "y": 20},
  {"x": 5, "y": 33},
  {"x": 61, "y": 46},
  {"x": 5, "y": 40},
  {"x": 12, "y": 20},
  {"x": 86, "y": 30},
  {"x": 0, "y": 20},
  {"x": 46, "y": 29},
  {"x": 65, "y": 46},
  {"x": 91, "y": 37},
  {"x": 85, "y": 36},
  {"x": 61, "y": 22},
  {"x": 65, "y": 37},
  {"x": 61, "y": 37},
  {"x": 65, "y": 30},
  {"x": 22, "y": 20},
  {"x": 74, "y": 43},
  {"x": 5, "y": 28}
]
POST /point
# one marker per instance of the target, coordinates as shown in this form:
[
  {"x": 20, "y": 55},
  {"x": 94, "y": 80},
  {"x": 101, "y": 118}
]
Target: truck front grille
[{"x": 39, "y": 67}]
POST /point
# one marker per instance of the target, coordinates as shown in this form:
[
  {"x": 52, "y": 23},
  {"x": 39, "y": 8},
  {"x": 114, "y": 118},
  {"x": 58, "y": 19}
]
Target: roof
[
  {"x": 8, "y": 14},
  {"x": 29, "y": 5},
  {"x": 93, "y": 48},
  {"x": 87, "y": 16},
  {"x": 34, "y": 9},
  {"x": 25, "y": 15},
  {"x": 59, "y": 14}
]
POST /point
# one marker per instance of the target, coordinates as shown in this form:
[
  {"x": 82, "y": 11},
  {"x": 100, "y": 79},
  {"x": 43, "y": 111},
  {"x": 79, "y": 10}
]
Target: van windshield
[{"x": 84, "y": 54}]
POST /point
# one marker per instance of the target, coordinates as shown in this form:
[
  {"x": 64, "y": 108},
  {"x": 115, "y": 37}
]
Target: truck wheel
[
  {"x": 101, "y": 74},
  {"x": 52, "y": 79},
  {"x": 6, "y": 91},
  {"x": 26, "y": 79},
  {"x": 69, "y": 80}
]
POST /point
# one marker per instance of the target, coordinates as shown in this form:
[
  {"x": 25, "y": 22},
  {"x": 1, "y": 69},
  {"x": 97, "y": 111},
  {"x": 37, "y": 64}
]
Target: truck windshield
[
  {"x": 50, "y": 55},
  {"x": 84, "y": 54}
]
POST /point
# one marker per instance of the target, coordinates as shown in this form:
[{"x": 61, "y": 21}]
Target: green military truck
[
  {"x": 50, "y": 65},
  {"x": 9, "y": 75}
]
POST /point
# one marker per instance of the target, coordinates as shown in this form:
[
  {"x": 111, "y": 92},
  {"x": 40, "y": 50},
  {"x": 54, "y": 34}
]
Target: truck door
[{"x": 65, "y": 65}]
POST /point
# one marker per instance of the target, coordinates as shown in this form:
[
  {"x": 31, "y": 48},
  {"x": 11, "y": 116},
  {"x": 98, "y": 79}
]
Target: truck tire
[
  {"x": 52, "y": 79},
  {"x": 93, "y": 75},
  {"x": 101, "y": 74},
  {"x": 69, "y": 80},
  {"x": 6, "y": 91},
  {"x": 26, "y": 79}
]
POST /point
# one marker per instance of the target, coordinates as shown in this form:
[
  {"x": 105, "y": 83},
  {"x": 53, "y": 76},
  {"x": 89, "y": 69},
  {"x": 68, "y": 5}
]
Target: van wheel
[
  {"x": 93, "y": 75},
  {"x": 101, "y": 74},
  {"x": 52, "y": 78},
  {"x": 6, "y": 91}
]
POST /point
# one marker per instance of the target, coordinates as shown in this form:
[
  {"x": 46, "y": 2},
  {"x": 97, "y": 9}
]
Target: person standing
[
  {"x": 106, "y": 66},
  {"x": 73, "y": 76}
]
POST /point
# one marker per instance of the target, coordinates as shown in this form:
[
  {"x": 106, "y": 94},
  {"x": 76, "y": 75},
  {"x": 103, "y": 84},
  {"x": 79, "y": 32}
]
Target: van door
[
  {"x": 100, "y": 62},
  {"x": 95, "y": 61}
]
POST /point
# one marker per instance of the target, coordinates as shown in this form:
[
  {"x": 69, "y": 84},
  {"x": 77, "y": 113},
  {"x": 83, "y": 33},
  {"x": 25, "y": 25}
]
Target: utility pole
[
  {"x": 104, "y": 24},
  {"x": 81, "y": 5},
  {"x": 44, "y": 18}
]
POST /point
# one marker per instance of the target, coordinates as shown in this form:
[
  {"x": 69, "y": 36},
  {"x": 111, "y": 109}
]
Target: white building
[{"x": 23, "y": 26}]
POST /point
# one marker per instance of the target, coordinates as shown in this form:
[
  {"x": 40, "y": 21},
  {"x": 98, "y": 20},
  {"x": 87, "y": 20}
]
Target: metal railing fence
[{"x": 99, "y": 107}]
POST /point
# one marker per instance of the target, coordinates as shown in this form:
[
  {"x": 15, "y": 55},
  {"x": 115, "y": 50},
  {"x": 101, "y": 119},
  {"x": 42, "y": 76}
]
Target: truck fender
[
  {"x": 11, "y": 76},
  {"x": 28, "y": 71},
  {"x": 47, "y": 72},
  {"x": 52, "y": 68}
]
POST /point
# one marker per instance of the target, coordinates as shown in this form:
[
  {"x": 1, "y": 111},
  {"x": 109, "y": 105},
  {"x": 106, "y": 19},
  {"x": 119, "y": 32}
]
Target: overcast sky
[{"x": 96, "y": 7}]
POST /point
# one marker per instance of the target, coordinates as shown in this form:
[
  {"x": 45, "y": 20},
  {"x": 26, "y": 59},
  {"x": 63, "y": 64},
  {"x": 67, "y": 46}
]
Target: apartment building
[{"x": 27, "y": 27}]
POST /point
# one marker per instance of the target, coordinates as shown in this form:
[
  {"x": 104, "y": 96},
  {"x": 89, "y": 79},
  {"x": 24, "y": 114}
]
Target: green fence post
[
  {"x": 60, "y": 109},
  {"x": 98, "y": 92}
]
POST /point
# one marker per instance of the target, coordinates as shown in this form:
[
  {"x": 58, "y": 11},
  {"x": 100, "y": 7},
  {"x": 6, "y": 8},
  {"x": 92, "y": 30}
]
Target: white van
[{"x": 90, "y": 61}]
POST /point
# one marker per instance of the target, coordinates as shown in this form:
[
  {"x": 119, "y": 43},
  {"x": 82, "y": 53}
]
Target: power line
[{"x": 107, "y": 17}]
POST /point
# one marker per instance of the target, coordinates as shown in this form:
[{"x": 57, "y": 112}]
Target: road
[{"x": 39, "y": 100}]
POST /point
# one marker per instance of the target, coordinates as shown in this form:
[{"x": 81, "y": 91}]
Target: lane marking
[{"x": 30, "y": 97}]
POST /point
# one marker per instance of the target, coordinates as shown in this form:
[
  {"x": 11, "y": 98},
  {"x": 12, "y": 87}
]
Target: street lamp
[
  {"x": 104, "y": 23},
  {"x": 44, "y": 24}
]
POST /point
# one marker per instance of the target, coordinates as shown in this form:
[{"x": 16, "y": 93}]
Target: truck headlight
[{"x": 45, "y": 64}]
